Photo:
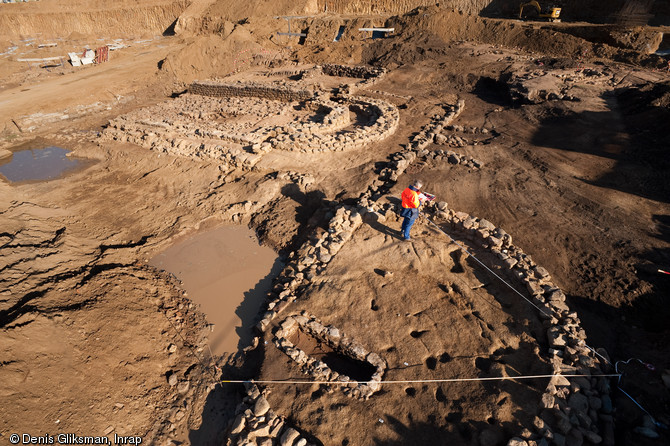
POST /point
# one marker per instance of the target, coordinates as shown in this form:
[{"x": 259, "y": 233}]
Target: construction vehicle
[{"x": 532, "y": 10}]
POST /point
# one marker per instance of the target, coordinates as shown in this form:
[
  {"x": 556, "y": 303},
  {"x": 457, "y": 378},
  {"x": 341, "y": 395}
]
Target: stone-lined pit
[{"x": 326, "y": 354}]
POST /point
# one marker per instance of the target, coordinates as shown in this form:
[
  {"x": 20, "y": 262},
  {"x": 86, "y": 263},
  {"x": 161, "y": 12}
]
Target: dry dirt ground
[{"x": 94, "y": 341}]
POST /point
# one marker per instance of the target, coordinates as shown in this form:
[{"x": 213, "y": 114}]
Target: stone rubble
[
  {"x": 400, "y": 161},
  {"x": 383, "y": 121},
  {"x": 249, "y": 89},
  {"x": 358, "y": 71},
  {"x": 370, "y": 75},
  {"x": 451, "y": 157},
  {"x": 180, "y": 127},
  {"x": 574, "y": 410},
  {"x": 255, "y": 423},
  {"x": 571, "y": 411},
  {"x": 539, "y": 86}
]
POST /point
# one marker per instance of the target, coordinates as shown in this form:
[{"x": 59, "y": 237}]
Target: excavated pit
[
  {"x": 314, "y": 156},
  {"x": 344, "y": 365}
]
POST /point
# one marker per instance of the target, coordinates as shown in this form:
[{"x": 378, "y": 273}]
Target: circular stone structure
[{"x": 237, "y": 122}]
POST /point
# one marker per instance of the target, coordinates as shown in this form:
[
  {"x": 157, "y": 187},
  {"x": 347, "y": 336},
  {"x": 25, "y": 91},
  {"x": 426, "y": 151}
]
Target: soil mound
[
  {"x": 210, "y": 56},
  {"x": 651, "y": 97},
  {"x": 234, "y": 10},
  {"x": 451, "y": 25},
  {"x": 426, "y": 32}
]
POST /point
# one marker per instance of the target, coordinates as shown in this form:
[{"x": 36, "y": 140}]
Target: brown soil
[{"x": 92, "y": 337}]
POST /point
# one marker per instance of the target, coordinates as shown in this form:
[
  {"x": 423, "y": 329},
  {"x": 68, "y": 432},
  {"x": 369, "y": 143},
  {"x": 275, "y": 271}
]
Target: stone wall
[
  {"x": 400, "y": 161},
  {"x": 275, "y": 93},
  {"x": 229, "y": 157},
  {"x": 256, "y": 423},
  {"x": 383, "y": 122},
  {"x": 193, "y": 127},
  {"x": 189, "y": 126},
  {"x": 574, "y": 410},
  {"x": 357, "y": 71},
  {"x": 337, "y": 117},
  {"x": 308, "y": 261}
]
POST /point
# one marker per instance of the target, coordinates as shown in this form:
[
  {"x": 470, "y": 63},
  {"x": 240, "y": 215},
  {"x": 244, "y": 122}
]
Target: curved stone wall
[
  {"x": 574, "y": 410},
  {"x": 382, "y": 122},
  {"x": 212, "y": 123},
  {"x": 308, "y": 261}
]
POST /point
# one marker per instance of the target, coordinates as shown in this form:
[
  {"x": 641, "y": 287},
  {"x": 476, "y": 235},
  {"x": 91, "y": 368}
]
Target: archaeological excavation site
[{"x": 202, "y": 206}]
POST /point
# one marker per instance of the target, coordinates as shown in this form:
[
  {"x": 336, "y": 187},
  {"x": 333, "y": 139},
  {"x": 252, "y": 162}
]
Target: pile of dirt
[
  {"x": 235, "y": 11},
  {"x": 654, "y": 96},
  {"x": 426, "y": 32},
  {"x": 628, "y": 12},
  {"x": 419, "y": 35},
  {"x": 209, "y": 56},
  {"x": 644, "y": 40},
  {"x": 452, "y": 26}
]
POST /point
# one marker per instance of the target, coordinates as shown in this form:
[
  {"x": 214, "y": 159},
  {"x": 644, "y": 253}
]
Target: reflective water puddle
[{"x": 38, "y": 164}]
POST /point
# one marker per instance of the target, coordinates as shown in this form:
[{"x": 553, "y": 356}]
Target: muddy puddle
[
  {"x": 41, "y": 164},
  {"x": 227, "y": 273}
]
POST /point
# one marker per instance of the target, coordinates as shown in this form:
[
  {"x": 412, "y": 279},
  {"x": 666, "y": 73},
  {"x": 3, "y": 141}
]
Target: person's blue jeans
[{"x": 409, "y": 217}]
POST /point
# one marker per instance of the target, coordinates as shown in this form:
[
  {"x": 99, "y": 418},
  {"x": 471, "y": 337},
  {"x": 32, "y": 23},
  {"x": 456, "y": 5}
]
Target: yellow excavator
[{"x": 532, "y": 10}]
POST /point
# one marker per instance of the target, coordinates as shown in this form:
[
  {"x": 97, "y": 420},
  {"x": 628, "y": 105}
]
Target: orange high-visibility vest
[{"x": 410, "y": 198}]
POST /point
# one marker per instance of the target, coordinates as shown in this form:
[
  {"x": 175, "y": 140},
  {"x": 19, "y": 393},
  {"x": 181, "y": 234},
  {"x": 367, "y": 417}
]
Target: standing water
[
  {"x": 37, "y": 164},
  {"x": 228, "y": 273}
]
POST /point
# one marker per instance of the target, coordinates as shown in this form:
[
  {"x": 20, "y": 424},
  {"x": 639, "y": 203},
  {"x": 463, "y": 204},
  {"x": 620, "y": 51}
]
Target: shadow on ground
[
  {"x": 253, "y": 301},
  {"x": 627, "y": 133},
  {"x": 219, "y": 409}
]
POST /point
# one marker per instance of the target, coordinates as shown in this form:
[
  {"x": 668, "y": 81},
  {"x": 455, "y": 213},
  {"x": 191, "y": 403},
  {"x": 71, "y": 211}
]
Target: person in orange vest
[{"x": 411, "y": 200}]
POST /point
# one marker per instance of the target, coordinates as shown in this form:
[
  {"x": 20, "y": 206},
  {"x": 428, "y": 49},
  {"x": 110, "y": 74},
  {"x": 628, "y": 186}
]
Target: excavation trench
[{"x": 226, "y": 272}]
